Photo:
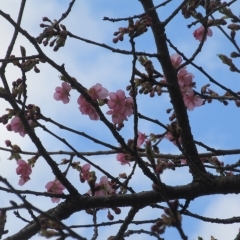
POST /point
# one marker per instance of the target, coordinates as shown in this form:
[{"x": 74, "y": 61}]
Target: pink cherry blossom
[
  {"x": 120, "y": 106},
  {"x": 141, "y": 139},
  {"x": 62, "y": 93},
  {"x": 117, "y": 117},
  {"x": 98, "y": 92},
  {"x": 128, "y": 109},
  {"x": 191, "y": 101},
  {"x": 117, "y": 100},
  {"x": 24, "y": 170},
  {"x": 121, "y": 157},
  {"x": 16, "y": 126},
  {"x": 185, "y": 78},
  {"x": 198, "y": 33},
  {"x": 104, "y": 187},
  {"x": 55, "y": 187},
  {"x": 176, "y": 60},
  {"x": 87, "y": 109},
  {"x": 85, "y": 171}
]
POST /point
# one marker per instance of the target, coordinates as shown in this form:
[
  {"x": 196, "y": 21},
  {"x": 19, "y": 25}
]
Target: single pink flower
[
  {"x": 62, "y": 93},
  {"x": 104, "y": 187},
  {"x": 117, "y": 100},
  {"x": 185, "y": 78},
  {"x": 176, "y": 60},
  {"x": 85, "y": 171},
  {"x": 55, "y": 187},
  {"x": 191, "y": 101},
  {"x": 87, "y": 109},
  {"x": 24, "y": 170},
  {"x": 16, "y": 126},
  {"x": 98, "y": 92},
  {"x": 121, "y": 157},
  {"x": 198, "y": 33},
  {"x": 141, "y": 139}
]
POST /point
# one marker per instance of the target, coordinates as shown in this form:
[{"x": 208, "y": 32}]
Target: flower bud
[
  {"x": 9, "y": 127},
  {"x": 116, "y": 210},
  {"x": 110, "y": 216},
  {"x": 115, "y": 40},
  {"x": 235, "y": 55},
  {"x": 8, "y": 143},
  {"x": 46, "y": 19}
]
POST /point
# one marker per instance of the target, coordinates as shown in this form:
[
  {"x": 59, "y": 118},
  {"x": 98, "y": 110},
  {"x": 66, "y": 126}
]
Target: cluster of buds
[
  {"x": 162, "y": 164},
  {"x": 116, "y": 210},
  {"x": 33, "y": 112},
  {"x": 228, "y": 61},
  {"x": 217, "y": 164},
  {"x": 233, "y": 27},
  {"x": 133, "y": 29},
  {"x": 189, "y": 9},
  {"x": 147, "y": 64},
  {"x": 31, "y": 64},
  {"x": 18, "y": 88},
  {"x": 237, "y": 101},
  {"x": 147, "y": 87},
  {"x": 171, "y": 218},
  {"x": 207, "y": 91},
  {"x": 147, "y": 83},
  {"x": 15, "y": 150},
  {"x": 54, "y": 30},
  {"x": 229, "y": 14},
  {"x": 27, "y": 64}
]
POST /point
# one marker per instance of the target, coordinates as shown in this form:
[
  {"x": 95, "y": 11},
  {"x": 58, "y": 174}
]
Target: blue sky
[{"x": 214, "y": 124}]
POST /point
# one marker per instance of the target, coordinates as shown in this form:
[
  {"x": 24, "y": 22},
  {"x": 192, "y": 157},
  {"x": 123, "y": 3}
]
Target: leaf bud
[{"x": 23, "y": 51}]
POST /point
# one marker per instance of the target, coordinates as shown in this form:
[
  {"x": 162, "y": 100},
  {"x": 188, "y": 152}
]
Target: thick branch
[
  {"x": 221, "y": 185},
  {"x": 170, "y": 73}
]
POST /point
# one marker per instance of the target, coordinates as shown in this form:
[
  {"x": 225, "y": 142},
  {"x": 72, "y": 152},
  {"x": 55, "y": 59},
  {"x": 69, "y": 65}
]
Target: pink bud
[{"x": 8, "y": 143}]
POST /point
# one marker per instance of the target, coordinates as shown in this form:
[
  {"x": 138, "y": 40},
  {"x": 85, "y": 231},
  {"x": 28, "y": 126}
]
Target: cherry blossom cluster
[
  {"x": 185, "y": 80},
  {"x": 97, "y": 189},
  {"x": 120, "y": 106}
]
